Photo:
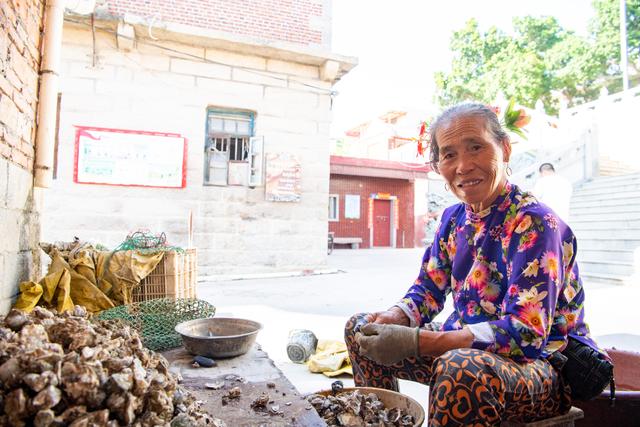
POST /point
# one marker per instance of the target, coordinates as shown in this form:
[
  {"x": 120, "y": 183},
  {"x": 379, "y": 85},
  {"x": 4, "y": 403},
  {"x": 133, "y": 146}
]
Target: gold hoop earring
[
  {"x": 446, "y": 187},
  {"x": 509, "y": 171}
]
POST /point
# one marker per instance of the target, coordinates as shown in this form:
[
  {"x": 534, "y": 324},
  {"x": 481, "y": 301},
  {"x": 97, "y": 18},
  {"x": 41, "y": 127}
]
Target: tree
[
  {"x": 541, "y": 60},
  {"x": 605, "y": 30}
]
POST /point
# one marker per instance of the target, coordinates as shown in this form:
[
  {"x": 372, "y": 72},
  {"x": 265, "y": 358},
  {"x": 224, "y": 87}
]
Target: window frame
[
  {"x": 211, "y": 140},
  {"x": 336, "y": 217}
]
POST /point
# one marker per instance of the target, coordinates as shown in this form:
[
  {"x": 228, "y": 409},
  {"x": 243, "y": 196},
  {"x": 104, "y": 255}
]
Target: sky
[{"x": 401, "y": 43}]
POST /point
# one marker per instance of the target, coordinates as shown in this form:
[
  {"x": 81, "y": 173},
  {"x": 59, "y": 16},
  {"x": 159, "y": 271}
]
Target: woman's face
[{"x": 471, "y": 161}]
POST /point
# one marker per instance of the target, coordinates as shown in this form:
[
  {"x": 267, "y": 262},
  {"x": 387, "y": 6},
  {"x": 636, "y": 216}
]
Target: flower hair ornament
[
  {"x": 513, "y": 120},
  {"x": 424, "y": 139}
]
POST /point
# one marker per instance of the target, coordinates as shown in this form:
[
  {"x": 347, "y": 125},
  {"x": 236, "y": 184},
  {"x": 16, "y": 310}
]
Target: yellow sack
[
  {"x": 82, "y": 291},
  {"x": 331, "y": 359},
  {"x": 121, "y": 272},
  {"x": 96, "y": 280},
  {"x": 53, "y": 289},
  {"x": 30, "y": 293}
]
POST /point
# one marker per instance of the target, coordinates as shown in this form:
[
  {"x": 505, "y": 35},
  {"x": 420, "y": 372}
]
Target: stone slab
[{"x": 254, "y": 373}]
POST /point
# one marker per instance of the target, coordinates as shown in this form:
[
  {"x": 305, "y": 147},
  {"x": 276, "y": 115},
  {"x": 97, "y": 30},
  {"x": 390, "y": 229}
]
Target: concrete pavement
[{"x": 370, "y": 280}]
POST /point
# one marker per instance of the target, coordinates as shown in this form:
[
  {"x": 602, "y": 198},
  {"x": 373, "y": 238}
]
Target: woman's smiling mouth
[{"x": 469, "y": 183}]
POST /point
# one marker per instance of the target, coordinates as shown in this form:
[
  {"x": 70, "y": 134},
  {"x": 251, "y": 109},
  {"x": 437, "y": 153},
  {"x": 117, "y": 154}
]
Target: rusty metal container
[
  {"x": 391, "y": 399},
  {"x": 218, "y": 337}
]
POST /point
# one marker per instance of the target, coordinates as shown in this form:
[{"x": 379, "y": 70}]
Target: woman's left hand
[{"x": 387, "y": 344}]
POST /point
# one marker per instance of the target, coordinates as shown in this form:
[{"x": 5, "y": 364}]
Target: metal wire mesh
[
  {"x": 145, "y": 241},
  {"x": 155, "y": 320}
]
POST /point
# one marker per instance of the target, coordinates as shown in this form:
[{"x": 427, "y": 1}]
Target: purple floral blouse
[{"x": 512, "y": 272}]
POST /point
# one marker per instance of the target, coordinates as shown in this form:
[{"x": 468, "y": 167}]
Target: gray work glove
[{"x": 388, "y": 344}]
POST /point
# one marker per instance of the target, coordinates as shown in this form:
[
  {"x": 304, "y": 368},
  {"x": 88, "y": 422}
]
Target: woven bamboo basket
[{"x": 174, "y": 277}]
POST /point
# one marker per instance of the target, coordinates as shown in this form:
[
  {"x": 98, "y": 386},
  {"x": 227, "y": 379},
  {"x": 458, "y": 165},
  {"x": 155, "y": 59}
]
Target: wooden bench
[
  {"x": 353, "y": 241},
  {"x": 566, "y": 420}
]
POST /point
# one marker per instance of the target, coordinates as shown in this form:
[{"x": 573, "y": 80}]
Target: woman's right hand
[{"x": 393, "y": 316}]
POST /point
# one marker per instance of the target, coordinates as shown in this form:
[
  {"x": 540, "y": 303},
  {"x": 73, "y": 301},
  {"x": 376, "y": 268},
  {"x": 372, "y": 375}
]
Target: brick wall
[
  {"x": 365, "y": 186},
  {"x": 302, "y": 22},
  {"x": 20, "y": 25},
  {"x": 20, "y": 28}
]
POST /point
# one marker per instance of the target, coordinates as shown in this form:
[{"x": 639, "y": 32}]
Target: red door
[{"x": 381, "y": 222}]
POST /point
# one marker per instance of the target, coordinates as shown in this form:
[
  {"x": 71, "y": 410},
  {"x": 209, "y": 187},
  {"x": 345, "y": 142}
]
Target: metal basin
[
  {"x": 218, "y": 337},
  {"x": 391, "y": 399}
]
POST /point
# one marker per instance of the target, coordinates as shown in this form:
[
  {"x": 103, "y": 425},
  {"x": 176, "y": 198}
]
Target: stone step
[
  {"x": 605, "y": 267},
  {"x": 597, "y": 186},
  {"x": 578, "y": 223},
  {"x": 607, "y": 279},
  {"x": 614, "y": 200},
  {"x": 609, "y": 244},
  {"x": 632, "y": 210},
  {"x": 586, "y": 234},
  {"x": 616, "y": 171},
  {"x": 631, "y": 214},
  {"x": 605, "y": 254},
  {"x": 607, "y": 190},
  {"x": 609, "y": 179},
  {"x": 583, "y": 202}
]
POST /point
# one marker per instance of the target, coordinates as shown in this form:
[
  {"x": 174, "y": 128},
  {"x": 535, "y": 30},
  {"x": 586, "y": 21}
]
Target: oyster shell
[
  {"x": 351, "y": 409},
  {"x": 65, "y": 370}
]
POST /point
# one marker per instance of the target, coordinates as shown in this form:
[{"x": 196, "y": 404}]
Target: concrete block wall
[
  {"x": 20, "y": 26},
  {"x": 236, "y": 230},
  {"x": 365, "y": 186},
  {"x": 299, "y": 22}
]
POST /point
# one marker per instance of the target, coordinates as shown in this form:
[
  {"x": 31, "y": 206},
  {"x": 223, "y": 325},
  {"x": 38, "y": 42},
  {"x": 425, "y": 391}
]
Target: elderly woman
[{"x": 509, "y": 264}]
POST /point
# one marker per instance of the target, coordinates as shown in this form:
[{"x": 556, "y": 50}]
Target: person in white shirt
[{"x": 553, "y": 190}]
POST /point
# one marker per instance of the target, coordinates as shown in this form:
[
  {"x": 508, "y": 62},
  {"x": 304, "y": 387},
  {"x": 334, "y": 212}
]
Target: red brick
[
  {"x": 8, "y": 15},
  {"x": 19, "y": 158},
  {"x": 22, "y": 104},
  {"x": 20, "y": 65},
  {"x": 27, "y": 129},
  {"x": 5, "y": 150},
  {"x": 271, "y": 20},
  {"x": 15, "y": 39},
  {"x": 34, "y": 26},
  {"x": 4, "y": 46},
  {"x": 8, "y": 112},
  {"x": 27, "y": 148},
  {"x": 12, "y": 77},
  {"x": 10, "y": 137},
  {"x": 5, "y": 87},
  {"x": 364, "y": 187}
]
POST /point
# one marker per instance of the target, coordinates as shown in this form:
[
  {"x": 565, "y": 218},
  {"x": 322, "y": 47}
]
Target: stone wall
[
  {"x": 155, "y": 89},
  {"x": 20, "y": 27}
]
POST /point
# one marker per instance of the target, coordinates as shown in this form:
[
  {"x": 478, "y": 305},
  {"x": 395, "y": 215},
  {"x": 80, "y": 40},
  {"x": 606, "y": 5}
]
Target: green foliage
[
  {"x": 605, "y": 30},
  {"x": 541, "y": 60}
]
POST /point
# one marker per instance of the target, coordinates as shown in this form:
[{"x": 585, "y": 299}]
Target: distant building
[
  {"x": 391, "y": 137},
  {"x": 372, "y": 201},
  {"x": 386, "y": 137},
  {"x": 209, "y": 109}
]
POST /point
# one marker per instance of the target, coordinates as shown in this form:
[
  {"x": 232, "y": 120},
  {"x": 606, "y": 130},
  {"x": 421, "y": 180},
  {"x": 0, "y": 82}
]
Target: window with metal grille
[{"x": 232, "y": 155}]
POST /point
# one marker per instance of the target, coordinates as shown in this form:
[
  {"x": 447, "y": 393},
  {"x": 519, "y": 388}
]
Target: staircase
[
  {"x": 605, "y": 216},
  {"x": 610, "y": 167}
]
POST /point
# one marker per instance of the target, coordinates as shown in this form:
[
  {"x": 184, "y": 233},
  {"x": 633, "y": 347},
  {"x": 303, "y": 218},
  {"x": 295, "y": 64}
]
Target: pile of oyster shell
[
  {"x": 352, "y": 408},
  {"x": 63, "y": 369}
]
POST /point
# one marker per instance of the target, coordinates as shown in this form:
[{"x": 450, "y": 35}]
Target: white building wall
[{"x": 236, "y": 230}]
